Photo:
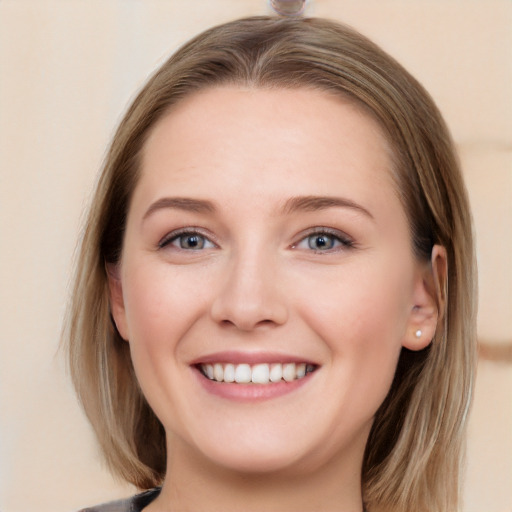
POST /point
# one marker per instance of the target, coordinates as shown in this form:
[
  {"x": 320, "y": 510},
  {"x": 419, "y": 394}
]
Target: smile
[{"x": 262, "y": 373}]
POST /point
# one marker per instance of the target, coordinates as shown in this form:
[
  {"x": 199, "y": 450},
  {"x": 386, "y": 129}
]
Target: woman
[{"x": 274, "y": 302}]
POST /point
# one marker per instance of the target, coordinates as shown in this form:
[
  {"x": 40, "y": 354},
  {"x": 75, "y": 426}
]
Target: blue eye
[
  {"x": 188, "y": 241},
  {"x": 324, "y": 241},
  {"x": 321, "y": 242}
]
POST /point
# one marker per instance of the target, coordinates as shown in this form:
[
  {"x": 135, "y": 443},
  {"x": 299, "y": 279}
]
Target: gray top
[{"x": 134, "y": 504}]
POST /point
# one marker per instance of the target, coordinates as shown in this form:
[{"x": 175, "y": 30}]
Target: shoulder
[{"x": 134, "y": 504}]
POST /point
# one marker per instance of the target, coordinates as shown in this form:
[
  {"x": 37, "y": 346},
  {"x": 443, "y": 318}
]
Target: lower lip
[{"x": 250, "y": 392}]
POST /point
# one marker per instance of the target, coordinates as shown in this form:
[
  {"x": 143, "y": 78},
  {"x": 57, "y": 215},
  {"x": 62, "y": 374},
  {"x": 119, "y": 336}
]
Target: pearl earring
[{"x": 418, "y": 333}]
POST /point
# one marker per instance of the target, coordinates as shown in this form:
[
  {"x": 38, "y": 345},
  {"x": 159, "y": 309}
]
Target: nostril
[
  {"x": 249, "y": 300},
  {"x": 248, "y": 325},
  {"x": 227, "y": 323}
]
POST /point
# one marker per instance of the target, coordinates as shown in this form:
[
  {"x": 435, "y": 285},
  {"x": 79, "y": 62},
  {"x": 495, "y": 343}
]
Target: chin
[{"x": 257, "y": 463}]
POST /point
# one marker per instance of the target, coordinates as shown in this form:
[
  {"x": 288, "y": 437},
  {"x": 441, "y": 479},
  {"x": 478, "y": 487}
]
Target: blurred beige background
[{"x": 68, "y": 69}]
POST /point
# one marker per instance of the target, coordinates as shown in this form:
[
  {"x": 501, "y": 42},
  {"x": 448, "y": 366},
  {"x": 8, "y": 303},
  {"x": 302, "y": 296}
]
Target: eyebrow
[
  {"x": 180, "y": 203},
  {"x": 292, "y": 205},
  {"x": 316, "y": 203}
]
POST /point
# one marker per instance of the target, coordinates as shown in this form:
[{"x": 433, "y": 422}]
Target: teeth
[
  {"x": 242, "y": 373},
  {"x": 218, "y": 372},
  {"x": 260, "y": 374},
  {"x": 301, "y": 370},
  {"x": 209, "y": 371},
  {"x": 276, "y": 372},
  {"x": 257, "y": 374},
  {"x": 229, "y": 373},
  {"x": 289, "y": 372}
]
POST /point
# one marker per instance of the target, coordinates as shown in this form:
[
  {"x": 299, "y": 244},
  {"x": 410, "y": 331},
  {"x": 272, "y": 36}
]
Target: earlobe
[
  {"x": 429, "y": 301},
  {"x": 117, "y": 308}
]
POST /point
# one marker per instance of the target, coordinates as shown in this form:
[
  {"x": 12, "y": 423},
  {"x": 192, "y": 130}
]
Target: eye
[
  {"x": 187, "y": 241},
  {"x": 324, "y": 240}
]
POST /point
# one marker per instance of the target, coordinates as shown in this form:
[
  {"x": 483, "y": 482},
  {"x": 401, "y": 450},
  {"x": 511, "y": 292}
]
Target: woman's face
[{"x": 265, "y": 242}]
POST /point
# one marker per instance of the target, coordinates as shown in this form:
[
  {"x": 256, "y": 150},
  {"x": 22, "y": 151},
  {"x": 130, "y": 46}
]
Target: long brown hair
[{"x": 414, "y": 452}]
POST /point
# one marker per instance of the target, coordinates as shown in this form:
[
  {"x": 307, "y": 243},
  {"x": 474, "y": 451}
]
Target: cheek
[
  {"x": 160, "y": 307},
  {"x": 370, "y": 304},
  {"x": 361, "y": 314}
]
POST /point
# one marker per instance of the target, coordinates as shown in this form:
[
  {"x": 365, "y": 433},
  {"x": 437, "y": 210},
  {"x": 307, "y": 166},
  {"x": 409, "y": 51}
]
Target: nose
[{"x": 249, "y": 296}]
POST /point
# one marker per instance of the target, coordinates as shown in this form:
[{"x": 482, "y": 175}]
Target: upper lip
[{"x": 238, "y": 357}]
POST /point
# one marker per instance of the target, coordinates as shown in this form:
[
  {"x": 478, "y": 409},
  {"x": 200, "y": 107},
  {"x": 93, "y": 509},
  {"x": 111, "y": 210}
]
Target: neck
[{"x": 194, "y": 484}]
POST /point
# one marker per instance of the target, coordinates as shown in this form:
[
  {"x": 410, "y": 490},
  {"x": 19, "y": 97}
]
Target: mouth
[{"x": 261, "y": 373}]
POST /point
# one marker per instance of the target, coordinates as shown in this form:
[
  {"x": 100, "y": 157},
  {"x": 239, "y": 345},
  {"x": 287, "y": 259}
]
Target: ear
[
  {"x": 429, "y": 301},
  {"x": 116, "y": 299}
]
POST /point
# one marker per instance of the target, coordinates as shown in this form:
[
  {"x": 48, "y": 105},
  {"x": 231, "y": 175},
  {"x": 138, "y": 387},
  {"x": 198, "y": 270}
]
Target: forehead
[{"x": 233, "y": 141}]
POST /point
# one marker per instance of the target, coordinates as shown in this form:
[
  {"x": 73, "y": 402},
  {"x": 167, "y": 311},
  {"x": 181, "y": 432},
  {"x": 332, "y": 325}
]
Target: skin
[{"x": 260, "y": 284}]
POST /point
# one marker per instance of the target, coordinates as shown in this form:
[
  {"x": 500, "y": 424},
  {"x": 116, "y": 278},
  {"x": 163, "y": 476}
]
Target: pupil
[
  {"x": 320, "y": 242},
  {"x": 192, "y": 241}
]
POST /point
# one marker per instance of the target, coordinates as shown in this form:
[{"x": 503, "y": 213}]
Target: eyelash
[
  {"x": 344, "y": 242},
  {"x": 335, "y": 236},
  {"x": 184, "y": 233}
]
